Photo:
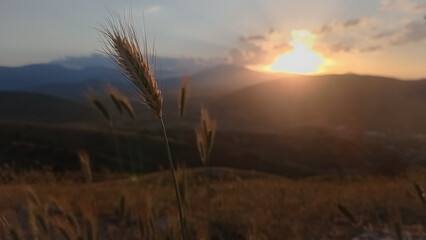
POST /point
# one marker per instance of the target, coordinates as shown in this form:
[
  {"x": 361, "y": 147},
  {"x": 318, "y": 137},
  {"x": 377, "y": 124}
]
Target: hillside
[
  {"x": 37, "y": 107},
  {"x": 354, "y": 102},
  {"x": 219, "y": 80}
]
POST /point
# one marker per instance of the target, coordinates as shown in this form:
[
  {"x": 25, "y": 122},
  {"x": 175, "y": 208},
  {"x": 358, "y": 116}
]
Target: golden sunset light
[
  {"x": 244, "y": 119},
  {"x": 302, "y": 59}
]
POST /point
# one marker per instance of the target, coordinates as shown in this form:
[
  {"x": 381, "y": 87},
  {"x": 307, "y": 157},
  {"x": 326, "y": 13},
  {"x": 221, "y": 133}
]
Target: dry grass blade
[
  {"x": 183, "y": 182},
  {"x": 90, "y": 228},
  {"x": 141, "y": 226},
  {"x": 398, "y": 231},
  {"x": 205, "y": 134},
  {"x": 32, "y": 220},
  {"x": 346, "y": 213},
  {"x": 420, "y": 193},
  {"x": 122, "y": 211},
  {"x": 85, "y": 165},
  {"x": 122, "y": 46},
  {"x": 65, "y": 233},
  {"x": 72, "y": 221},
  {"x": 33, "y": 196},
  {"x": 183, "y": 96},
  {"x": 42, "y": 222},
  {"x": 15, "y": 234}
]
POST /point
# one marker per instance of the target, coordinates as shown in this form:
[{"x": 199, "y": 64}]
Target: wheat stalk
[
  {"x": 104, "y": 111},
  {"x": 204, "y": 134},
  {"x": 122, "y": 46}
]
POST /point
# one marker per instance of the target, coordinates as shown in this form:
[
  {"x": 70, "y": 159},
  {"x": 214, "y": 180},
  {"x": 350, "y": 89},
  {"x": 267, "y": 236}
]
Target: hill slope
[
  {"x": 36, "y": 107},
  {"x": 345, "y": 101}
]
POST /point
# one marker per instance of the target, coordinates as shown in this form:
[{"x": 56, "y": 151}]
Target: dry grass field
[{"x": 220, "y": 203}]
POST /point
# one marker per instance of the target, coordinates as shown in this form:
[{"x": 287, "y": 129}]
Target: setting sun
[{"x": 302, "y": 59}]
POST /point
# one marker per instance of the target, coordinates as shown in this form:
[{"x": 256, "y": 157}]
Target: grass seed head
[
  {"x": 98, "y": 105},
  {"x": 120, "y": 101},
  {"x": 346, "y": 213},
  {"x": 183, "y": 96},
  {"x": 205, "y": 134},
  {"x": 85, "y": 165},
  {"x": 420, "y": 193},
  {"x": 122, "y": 46}
]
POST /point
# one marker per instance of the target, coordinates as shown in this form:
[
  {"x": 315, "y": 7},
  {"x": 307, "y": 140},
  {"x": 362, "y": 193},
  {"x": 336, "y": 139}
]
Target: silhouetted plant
[
  {"x": 205, "y": 133},
  {"x": 122, "y": 46},
  {"x": 183, "y": 96}
]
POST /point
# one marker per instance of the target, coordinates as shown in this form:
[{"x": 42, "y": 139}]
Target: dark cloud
[
  {"x": 340, "y": 47},
  {"x": 252, "y": 38},
  {"x": 371, "y": 48},
  {"x": 339, "y": 26},
  {"x": 384, "y": 34},
  {"x": 411, "y": 32},
  {"x": 352, "y": 22}
]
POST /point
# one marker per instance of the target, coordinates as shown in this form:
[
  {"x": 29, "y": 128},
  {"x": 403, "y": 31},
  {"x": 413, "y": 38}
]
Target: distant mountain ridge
[
  {"x": 18, "y": 78},
  {"x": 57, "y": 80},
  {"x": 245, "y": 99}
]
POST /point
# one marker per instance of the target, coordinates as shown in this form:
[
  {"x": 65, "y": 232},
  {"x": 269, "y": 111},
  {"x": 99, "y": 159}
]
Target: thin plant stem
[
  {"x": 172, "y": 169},
  {"x": 117, "y": 150}
]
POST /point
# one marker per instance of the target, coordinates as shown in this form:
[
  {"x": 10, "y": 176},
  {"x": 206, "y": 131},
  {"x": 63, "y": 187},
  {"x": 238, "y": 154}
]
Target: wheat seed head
[
  {"x": 90, "y": 95},
  {"x": 121, "y": 44},
  {"x": 183, "y": 96},
  {"x": 121, "y": 101}
]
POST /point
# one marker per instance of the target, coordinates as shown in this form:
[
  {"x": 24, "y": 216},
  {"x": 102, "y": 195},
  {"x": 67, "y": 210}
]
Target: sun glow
[{"x": 302, "y": 59}]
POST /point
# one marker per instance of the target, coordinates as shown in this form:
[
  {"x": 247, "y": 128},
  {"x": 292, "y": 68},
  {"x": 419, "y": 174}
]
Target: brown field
[{"x": 222, "y": 203}]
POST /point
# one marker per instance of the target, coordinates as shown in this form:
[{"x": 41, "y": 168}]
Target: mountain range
[{"x": 243, "y": 99}]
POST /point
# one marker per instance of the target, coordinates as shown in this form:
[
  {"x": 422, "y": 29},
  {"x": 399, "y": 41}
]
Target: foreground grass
[{"x": 235, "y": 204}]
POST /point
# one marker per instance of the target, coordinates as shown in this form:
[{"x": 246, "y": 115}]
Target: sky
[{"x": 375, "y": 37}]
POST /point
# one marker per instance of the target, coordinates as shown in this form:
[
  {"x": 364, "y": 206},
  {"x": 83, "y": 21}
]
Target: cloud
[
  {"x": 367, "y": 35},
  {"x": 258, "y": 48},
  {"x": 153, "y": 9},
  {"x": 413, "y": 31},
  {"x": 402, "y": 5},
  {"x": 252, "y": 38},
  {"x": 350, "y": 35}
]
